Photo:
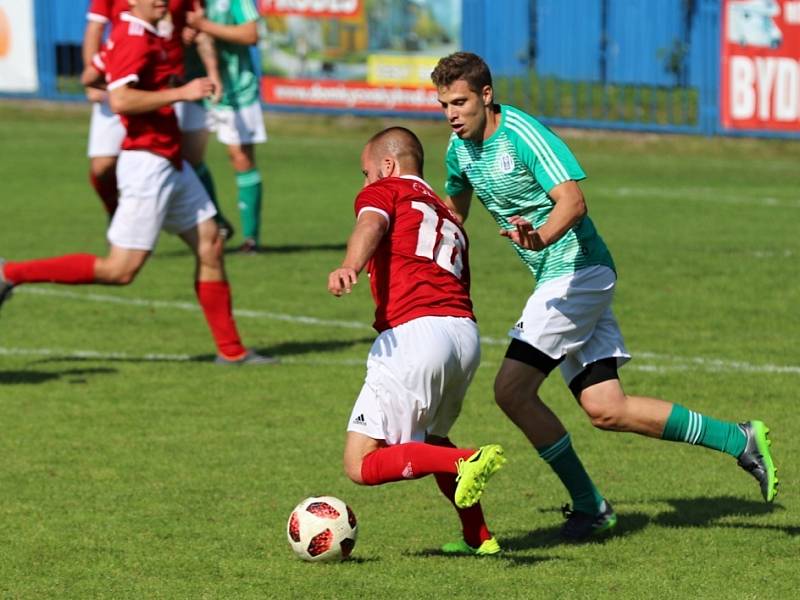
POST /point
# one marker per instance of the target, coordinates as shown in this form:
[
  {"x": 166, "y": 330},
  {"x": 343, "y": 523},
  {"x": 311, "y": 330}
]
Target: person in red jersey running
[
  {"x": 427, "y": 349},
  {"x": 106, "y": 131},
  {"x": 158, "y": 189}
]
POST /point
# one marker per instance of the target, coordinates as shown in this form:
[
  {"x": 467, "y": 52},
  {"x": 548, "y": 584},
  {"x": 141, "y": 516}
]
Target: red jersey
[
  {"x": 170, "y": 27},
  {"x": 136, "y": 53},
  {"x": 421, "y": 267}
]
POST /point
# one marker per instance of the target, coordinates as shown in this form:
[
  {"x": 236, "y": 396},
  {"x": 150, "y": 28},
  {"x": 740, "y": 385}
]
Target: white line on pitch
[{"x": 679, "y": 362}]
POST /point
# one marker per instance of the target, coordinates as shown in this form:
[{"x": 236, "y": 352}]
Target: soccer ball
[{"x": 322, "y": 528}]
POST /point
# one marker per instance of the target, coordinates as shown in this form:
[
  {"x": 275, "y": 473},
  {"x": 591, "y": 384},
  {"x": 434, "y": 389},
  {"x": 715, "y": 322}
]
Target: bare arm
[
  {"x": 245, "y": 34},
  {"x": 128, "y": 100},
  {"x": 459, "y": 204},
  {"x": 90, "y": 78},
  {"x": 92, "y": 38},
  {"x": 208, "y": 56},
  {"x": 570, "y": 207},
  {"x": 366, "y": 236}
]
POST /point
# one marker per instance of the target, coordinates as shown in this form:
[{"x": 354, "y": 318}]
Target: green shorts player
[
  {"x": 527, "y": 178},
  {"x": 237, "y": 118}
]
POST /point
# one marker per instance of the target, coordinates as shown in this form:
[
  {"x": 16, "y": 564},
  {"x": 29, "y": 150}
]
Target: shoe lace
[{"x": 459, "y": 465}]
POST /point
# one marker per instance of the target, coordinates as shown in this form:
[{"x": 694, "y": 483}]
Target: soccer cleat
[
  {"x": 249, "y": 246},
  {"x": 474, "y": 472},
  {"x": 756, "y": 458},
  {"x": 581, "y": 526},
  {"x": 5, "y": 286},
  {"x": 250, "y": 358},
  {"x": 487, "y": 548}
]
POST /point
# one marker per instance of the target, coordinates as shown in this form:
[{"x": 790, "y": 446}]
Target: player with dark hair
[
  {"x": 158, "y": 189},
  {"x": 427, "y": 349},
  {"x": 527, "y": 178}
]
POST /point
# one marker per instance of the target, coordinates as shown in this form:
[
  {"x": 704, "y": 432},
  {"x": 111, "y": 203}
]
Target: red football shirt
[
  {"x": 420, "y": 267},
  {"x": 137, "y": 54},
  {"x": 170, "y": 27}
]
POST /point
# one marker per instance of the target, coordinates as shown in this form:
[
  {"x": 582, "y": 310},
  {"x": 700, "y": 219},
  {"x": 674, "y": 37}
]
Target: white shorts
[
  {"x": 192, "y": 116},
  {"x": 417, "y": 376},
  {"x": 571, "y": 317},
  {"x": 244, "y": 125},
  {"x": 106, "y": 132},
  {"x": 154, "y": 195}
]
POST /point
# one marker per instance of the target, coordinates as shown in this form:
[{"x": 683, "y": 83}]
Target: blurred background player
[
  {"x": 526, "y": 177},
  {"x": 106, "y": 132},
  {"x": 157, "y": 187},
  {"x": 237, "y": 117},
  {"x": 428, "y": 347}
]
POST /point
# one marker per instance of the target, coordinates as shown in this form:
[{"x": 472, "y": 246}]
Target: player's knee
[
  {"x": 508, "y": 395},
  {"x": 352, "y": 468},
  {"x": 604, "y": 412}
]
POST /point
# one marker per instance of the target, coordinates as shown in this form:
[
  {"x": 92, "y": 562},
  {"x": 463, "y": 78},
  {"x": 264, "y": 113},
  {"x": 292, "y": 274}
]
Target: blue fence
[{"x": 631, "y": 64}]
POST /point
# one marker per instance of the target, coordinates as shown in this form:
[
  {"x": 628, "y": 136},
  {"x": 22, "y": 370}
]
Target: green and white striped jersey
[
  {"x": 512, "y": 173},
  {"x": 239, "y": 80}
]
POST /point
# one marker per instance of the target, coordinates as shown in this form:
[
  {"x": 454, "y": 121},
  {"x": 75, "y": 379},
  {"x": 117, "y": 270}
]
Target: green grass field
[{"x": 132, "y": 467}]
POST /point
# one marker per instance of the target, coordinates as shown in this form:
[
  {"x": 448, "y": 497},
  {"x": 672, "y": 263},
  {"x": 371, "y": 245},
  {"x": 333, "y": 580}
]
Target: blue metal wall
[{"x": 656, "y": 62}]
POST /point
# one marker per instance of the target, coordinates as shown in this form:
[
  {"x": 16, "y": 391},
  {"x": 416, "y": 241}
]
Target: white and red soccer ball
[{"x": 322, "y": 528}]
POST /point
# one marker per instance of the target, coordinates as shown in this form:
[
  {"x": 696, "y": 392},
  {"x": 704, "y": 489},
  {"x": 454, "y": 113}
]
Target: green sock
[
  {"x": 208, "y": 183},
  {"x": 249, "y": 184},
  {"x": 562, "y": 459},
  {"x": 693, "y": 428}
]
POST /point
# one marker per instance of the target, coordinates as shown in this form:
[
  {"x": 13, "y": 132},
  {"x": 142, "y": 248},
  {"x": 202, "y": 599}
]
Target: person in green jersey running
[
  {"x": 527, "y": 178},
  {"x": 237, "y": 117}
]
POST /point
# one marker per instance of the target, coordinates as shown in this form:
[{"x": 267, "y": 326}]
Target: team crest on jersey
[
  {"x": 505, "y": 163},
  {"x": 223, "y": 5}
]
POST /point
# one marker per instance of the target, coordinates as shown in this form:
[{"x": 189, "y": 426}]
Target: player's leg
[
  {"x": 406, "y": 373},
  {"x": 516, "y": 392},
  {"x": 191, "y": 215},
  {"x": 103, "y": 177},
  {"x": 239, "y": 130},
  {"x": 249, "y": 186},
  {"x": 106, "y": 133},
  {"x": 600, "y": 393},
  {"x": 476, "y": 537},
  {"x": 193, "y": 120}
]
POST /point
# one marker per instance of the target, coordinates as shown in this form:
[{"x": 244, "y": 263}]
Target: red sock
[
  {"x": 215, "y": 298},
  {"x": 409, "y": 461},
  {"x": 70, "y": 269},
  {"x": 106, "y": 188},
  {"x": 473, "y": 525}
]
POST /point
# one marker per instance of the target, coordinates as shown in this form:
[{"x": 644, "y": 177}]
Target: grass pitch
[{"x": 132, "y": 467}]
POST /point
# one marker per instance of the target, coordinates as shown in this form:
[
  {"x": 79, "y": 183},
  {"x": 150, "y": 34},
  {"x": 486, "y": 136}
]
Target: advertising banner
[
  {"x": 761, "y": 65},
  {"x": 356, "y": 54},
  {"x": 17, "y": 47}
]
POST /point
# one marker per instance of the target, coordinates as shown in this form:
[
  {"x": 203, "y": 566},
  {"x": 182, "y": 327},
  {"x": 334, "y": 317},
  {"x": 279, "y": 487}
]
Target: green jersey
[
  {"x": 512, "y": 173},
  {"x": 239, "y": 80}
]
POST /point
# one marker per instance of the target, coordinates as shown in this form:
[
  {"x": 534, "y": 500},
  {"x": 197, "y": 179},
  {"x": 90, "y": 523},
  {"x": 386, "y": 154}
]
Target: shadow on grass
[
  {"x": 284, "y": 350},
  {"x": 629, "y": 523},
  {"x": 233, "y": 250},
  {"x": 37, "y": 377},
  {"x": 705, "y": 512},
  {"x": 504, "y": 556},
  {"x": 287, "y": 349}
]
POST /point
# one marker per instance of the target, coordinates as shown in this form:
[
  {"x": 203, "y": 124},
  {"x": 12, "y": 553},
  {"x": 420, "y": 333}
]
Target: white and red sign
[
  {"x": 311, "y": 8},
  {"x": 761, "y": 65},
  {"x": 18, "y": 72},
  {"x": 277, "y": 91}
]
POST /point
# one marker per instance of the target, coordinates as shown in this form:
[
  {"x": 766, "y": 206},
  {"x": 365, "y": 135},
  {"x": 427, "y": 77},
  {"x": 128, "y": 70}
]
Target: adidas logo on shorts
[{"x": 360, "y": 420}]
